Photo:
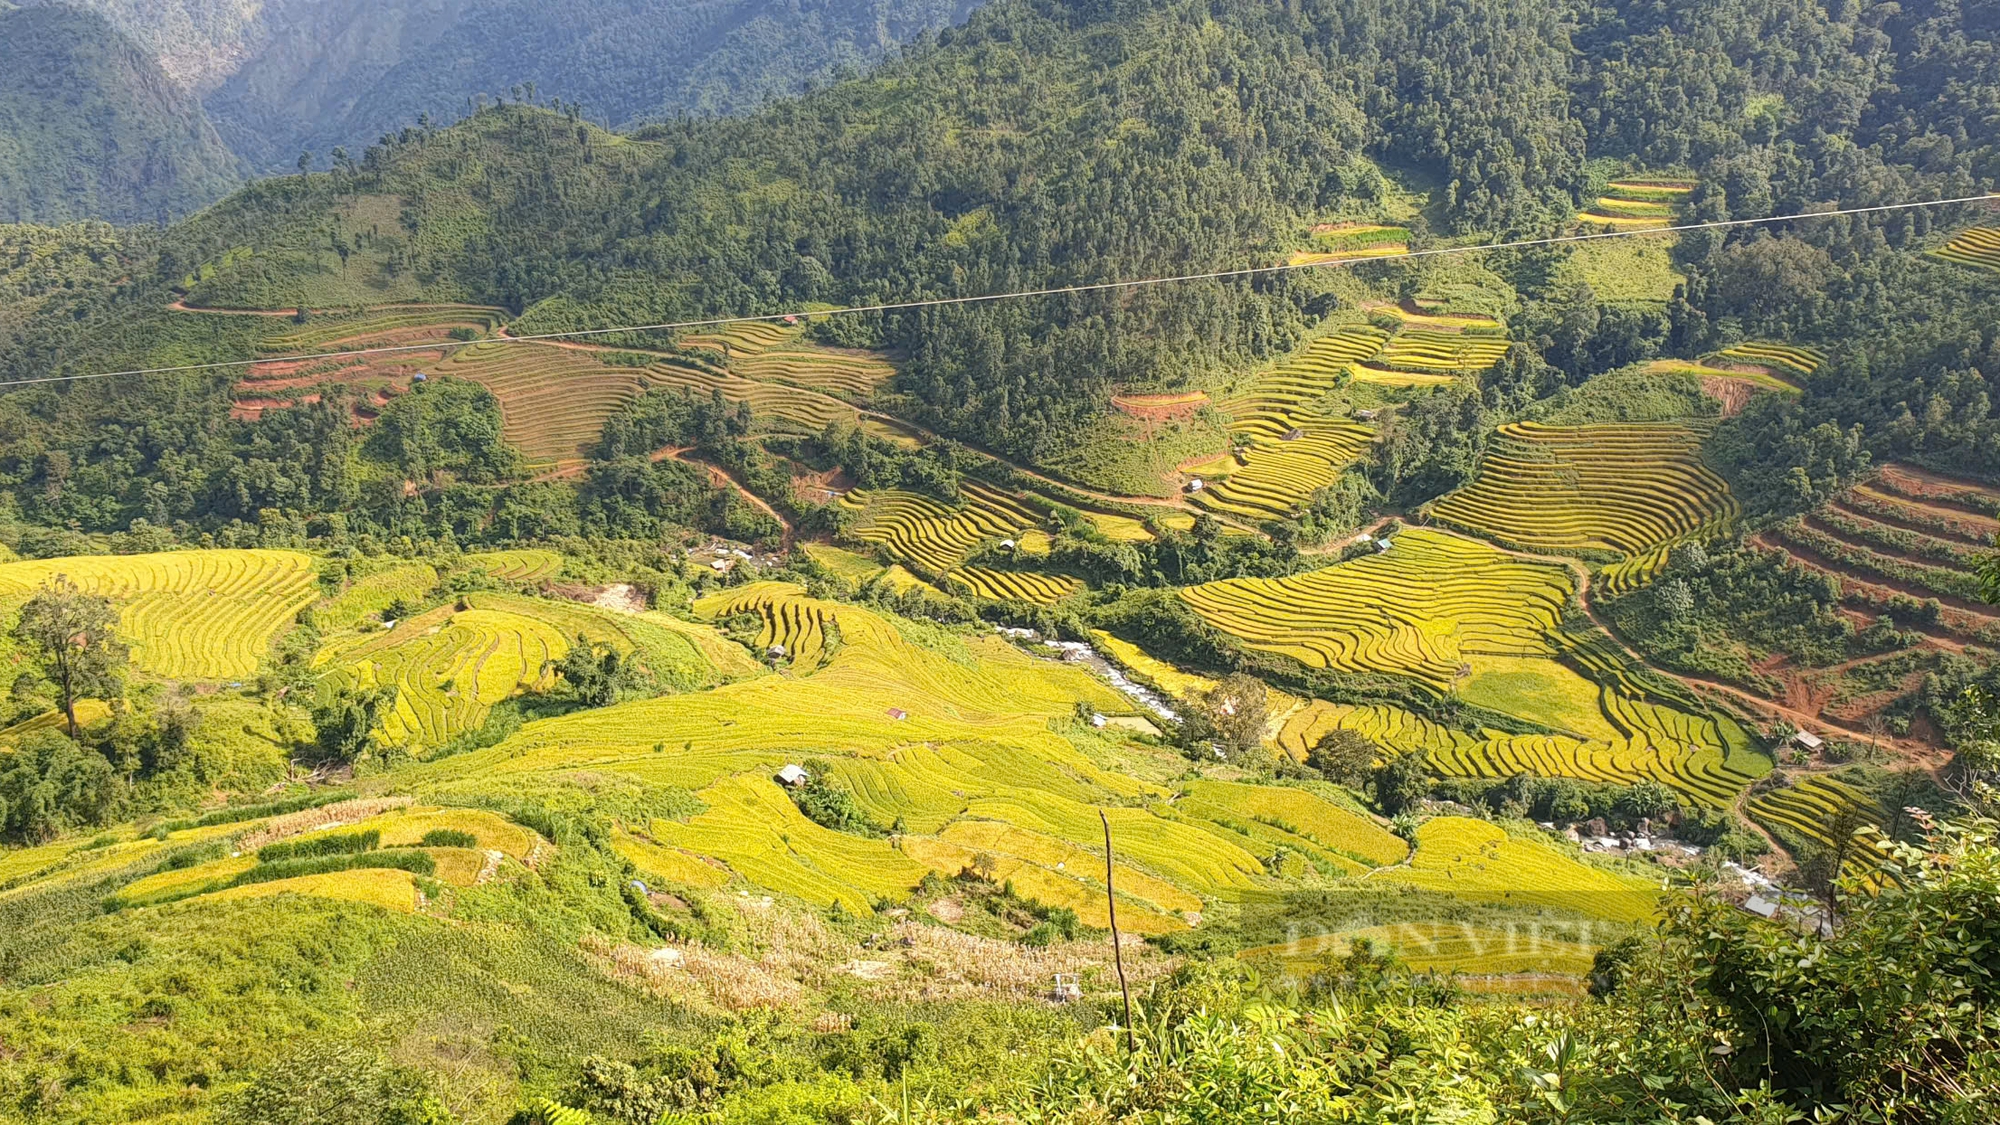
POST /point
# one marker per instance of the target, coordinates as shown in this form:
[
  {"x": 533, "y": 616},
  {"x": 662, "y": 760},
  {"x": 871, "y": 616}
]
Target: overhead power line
[{"x": 1015, "y": 294}]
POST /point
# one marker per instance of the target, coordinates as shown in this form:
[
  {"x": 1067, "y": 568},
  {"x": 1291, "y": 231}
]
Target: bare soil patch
[
  {"x": 1178, "y": 406},
  {"x": 1733, "y": 394}
]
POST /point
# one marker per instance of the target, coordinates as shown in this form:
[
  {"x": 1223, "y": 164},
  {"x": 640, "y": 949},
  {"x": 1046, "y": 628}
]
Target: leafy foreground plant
[{"x": 1894, "y": 1017}]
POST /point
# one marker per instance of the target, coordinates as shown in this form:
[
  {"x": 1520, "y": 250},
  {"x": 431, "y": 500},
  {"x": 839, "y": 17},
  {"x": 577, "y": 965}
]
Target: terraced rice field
[
  {"x": 769, "y": 402},
  {"x": 1957, "y": 516},
  {"x": 1391, "y": 727},
  {"x": 1409, "y": 314},
  {"x": 388, "y": 889},
  {"x": 1015, "y": 585},
  {"x": 1705, "y": 755},
  {"x": 999, "y": 838},
  {"x": 660, "y": 863},
  {"x": 804, "y": 629},
  {"x": 746, "y": 338},
  {"x": 953, "y": 739},
  {"x": 88, "y": 711},
  {"x": 1978, "y": 247},
  {"x": 1931, "y": 489},
  {"x": 1374, "y": 375},
  {"x": 1905, "y": 532},
  {"x": 855, "y": 568},
  {"x": 397, "y": 828},
  {"x": 1280, "y": 395},
  {"x": 1807, "y": 806},
  {"x": 527, "y": 565},
  {"x": 1276, "y": 475},
  {"x": 1639, "y": 203},
  {"x": 818, "y": 369},
  {"x": 1121, "y": 529},
  {"x": 896, "y": 433},
  {"x": 1150, "y": 669},
  {"x": 1432, "y": 351},
  {"x": 553, "y": 401},
  {"x": 776, "y": 352},
  {"x": 194, "y": 615},
  {"x": 930, "y": 535},
  {"x": 448, "y": 668},
  {"x": 1688, "y": 766},
  {"x": 451, "y": 666},
  {"x": 1159, "y": 407},
  {"x": 752, "y": 826},
  {"x": 1297, "y": 820},
  {"x": 1635, "y": 738},
  {"x": 406, "y": 323},
  {"x": 1630, "y": 490},
  {"x": 1608, "y": 721},
  {"x": 1794, "y": 361},
  {"x": 1478, "y": 860},
  {"x": 373, "y": 593},
  {"x": 1335, "y": 242},
  {"x": 1055, "y": 872},
  {"x": 1291, "y": 450},
  {"x": 1418, "y": 610},
  {"x": 1194, "y": 854},
  {"x": 1801, "y": 812}
]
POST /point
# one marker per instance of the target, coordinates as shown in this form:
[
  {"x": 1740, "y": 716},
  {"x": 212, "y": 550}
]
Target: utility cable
[{"x": 1053, "y": 291}]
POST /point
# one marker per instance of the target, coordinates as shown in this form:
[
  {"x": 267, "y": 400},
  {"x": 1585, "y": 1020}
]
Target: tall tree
[{"x": 73, "y": 635}]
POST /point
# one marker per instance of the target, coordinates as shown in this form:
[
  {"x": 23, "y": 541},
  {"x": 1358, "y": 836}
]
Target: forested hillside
[
  {"x": 90, "y": 127},
  {"x": 1050, "y": 145}
]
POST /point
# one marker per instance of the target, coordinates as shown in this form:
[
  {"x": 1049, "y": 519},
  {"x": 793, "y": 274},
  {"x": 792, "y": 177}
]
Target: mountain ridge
[
  {"x": 91, "y": 127},
  {"x": 292, "y": 75}
]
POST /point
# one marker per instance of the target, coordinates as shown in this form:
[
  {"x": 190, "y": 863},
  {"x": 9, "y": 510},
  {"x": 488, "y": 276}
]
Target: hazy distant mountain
[
  {"x": 90, "y": 126},
  {"x": 287, "y": 75}
]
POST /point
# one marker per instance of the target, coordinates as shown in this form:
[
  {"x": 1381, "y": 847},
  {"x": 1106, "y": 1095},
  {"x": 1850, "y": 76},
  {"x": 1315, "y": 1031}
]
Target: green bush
[
  {"x": 403, "y": 859},
  {"x": 345, "y": 843},
  {"x": 448, "y": 838}
]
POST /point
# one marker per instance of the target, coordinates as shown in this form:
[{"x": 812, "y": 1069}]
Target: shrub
[
  {"x": 345, "y": 843},
  {"x": 830, "y": 806},
  {"x": 448, "y": 838},
  {"x": 403, "y": 859}
]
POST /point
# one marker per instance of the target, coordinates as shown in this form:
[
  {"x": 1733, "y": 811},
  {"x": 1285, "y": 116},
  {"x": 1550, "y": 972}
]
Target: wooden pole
[{"x": 1117, "y": 951}]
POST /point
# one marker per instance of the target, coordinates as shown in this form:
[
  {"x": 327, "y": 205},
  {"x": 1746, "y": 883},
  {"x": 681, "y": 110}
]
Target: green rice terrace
[
  {"x": 1638, "y": 203},
  {"x": 1622, "y": 493},
  {"x": 1978, "y": 247}
]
